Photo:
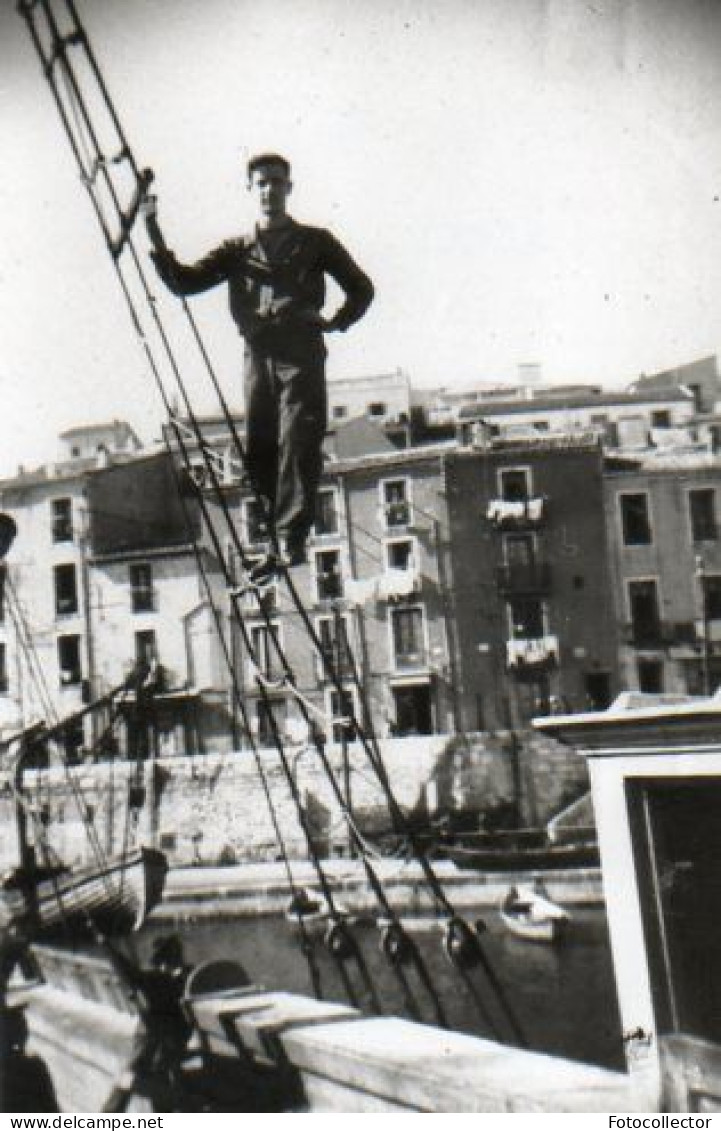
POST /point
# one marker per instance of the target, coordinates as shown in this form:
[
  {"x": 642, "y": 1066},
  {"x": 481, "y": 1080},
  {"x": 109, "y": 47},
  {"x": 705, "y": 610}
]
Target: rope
[
  {"x": 306, "y": 944},
  {"x": 368, "y": 741}
]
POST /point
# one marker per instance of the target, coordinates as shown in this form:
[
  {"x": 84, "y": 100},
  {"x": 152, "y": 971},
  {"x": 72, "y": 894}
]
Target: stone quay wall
[{"x": 212, "y": 809}]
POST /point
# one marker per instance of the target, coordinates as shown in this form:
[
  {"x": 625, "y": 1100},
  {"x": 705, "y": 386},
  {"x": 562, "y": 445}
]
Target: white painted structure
[
  {"x": 385, "y": 398},
  {"x": 646, "y": 755}
]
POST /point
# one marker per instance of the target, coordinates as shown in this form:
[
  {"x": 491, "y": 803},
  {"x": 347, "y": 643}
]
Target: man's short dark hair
[{"x": 261, "y": 159}]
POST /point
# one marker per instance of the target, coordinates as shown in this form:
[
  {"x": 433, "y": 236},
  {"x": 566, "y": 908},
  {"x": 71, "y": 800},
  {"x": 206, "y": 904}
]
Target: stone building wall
[{"x": 212, "y": 809}]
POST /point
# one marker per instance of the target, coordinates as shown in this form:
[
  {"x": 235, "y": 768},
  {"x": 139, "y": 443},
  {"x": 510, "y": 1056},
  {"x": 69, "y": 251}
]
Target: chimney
[{"x": 529, "y": 375}]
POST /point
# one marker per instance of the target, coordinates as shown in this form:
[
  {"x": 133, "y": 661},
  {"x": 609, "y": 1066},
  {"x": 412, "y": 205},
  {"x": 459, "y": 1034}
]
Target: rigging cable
[{"x": 126, "y": 220}]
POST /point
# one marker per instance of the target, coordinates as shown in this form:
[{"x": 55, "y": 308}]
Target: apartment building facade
[
  {"x": 455, "y": 586},
  {"x": 532, "y": 604},
  {"x": 103, "y": 573},
  {"x": 469, "y": 585},
  {"x": 662, "y": 514},
  {"x": 373, "y": 594},
  {"x": 628, "y": 420}
]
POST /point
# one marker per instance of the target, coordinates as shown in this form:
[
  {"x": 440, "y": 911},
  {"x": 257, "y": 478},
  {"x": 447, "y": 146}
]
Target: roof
[
  {"x": 524, "y": 446},
  {"x": 548, "y": 404},
  {"x": 360, "y": 437},
  {"x": 144, "y": 553},
  {"x": 398, "y": 457},
  {"x": 398, "y": 377},
  {"x": 102, "y": 426},
  {"x": 650, "y": 462}
]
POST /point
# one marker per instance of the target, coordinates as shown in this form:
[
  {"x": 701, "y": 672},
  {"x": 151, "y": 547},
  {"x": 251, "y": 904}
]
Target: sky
[{"x": 526, "y": 181}]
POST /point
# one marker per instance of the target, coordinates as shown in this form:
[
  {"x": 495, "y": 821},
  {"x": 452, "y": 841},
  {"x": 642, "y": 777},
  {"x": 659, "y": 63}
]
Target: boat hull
[
  {"x": 547, "y": 930},
  {"x": 114, "y": 897}
]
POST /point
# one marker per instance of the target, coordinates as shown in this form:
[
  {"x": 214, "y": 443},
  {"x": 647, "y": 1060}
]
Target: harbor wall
[{"x": 212, "y": 809}]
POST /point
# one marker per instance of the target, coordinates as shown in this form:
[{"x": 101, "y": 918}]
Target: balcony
[
  {"x": 410, "y": 661},
  {"x": 662, "y": 634},
  {"x": 143, "y": 600},
  {"x": 343, "y": 667},
  {"x": 522, "y": 514},
  {"x": 66, "y": 606},
  {"x": 532, "y": 655},
  {"x": 393, "y": 585},
  {"x": 524, "y": 577},
  {"x": 397, "y": 514}
]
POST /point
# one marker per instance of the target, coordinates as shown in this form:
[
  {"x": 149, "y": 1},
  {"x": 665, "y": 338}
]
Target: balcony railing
[
  {"x": 397, "y": 514},
  {"x": 524, "y": 577},
  {"x": 662, "y": 634},
  {"x": 143, "y": 600},
  {"x": 506, "y": 514},
  {"x": 66, "y": 606},
  {"x": 342, "y": 667},
  {"x": 410, "y": 661}
]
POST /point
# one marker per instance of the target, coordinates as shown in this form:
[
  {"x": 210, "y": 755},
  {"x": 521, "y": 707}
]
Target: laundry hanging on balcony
[
  {"x": 393, "y": 584},
  {"x": 504, "y": 512},
  {"x": 538, "y": 652}
]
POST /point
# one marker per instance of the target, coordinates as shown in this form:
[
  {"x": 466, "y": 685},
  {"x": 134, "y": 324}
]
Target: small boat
[
  {"x": 114, "y": 896},
  {"x": 527, "y": 912},
  {"x": 484, "y": 855},
  {"x": 308, "y": 911}
]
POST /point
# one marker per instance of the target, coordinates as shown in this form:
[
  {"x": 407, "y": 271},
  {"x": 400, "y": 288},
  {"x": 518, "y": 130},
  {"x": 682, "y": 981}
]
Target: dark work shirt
[{"x": 276, "y": 281}]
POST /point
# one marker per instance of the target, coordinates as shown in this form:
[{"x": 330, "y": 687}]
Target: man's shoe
[
  {"x": 293, "y": 552},
  {"x": 263, "y": 572}
]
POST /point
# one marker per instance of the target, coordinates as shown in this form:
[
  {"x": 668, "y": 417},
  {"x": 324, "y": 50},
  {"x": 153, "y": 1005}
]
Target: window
[
  {"x": 264, "y": 652},
  {"x": 396, "y": 502},
  {"x": 399, "y": 555},
  {"x": 520, "y": 550},
  {"x": 413, "y": 710},
  {"x": 598, "y": 689},
  {"x": 141, "y": 587},
  {"x": 635, "y": 520},
  {"x": 702, "y": 511},
  {"x": 650, "y": 676},
  {"x": 326, "y": 518},
  {"x": 66, "y": 590},
  {"x": 339, "y": 411},
  {"x": 146, "y": 647},
  {"x": 266, "y": 715},
  {"x": 342, "y": 713},
  {"x": 541, "y": 426},
  {"x": 62, "y": 520},
  {"x": 69, "y": 660},
  {"x": 677, "y": 841},
  {"x": 407, "y": 635},
  {"x": 645, "y": 618},
  {"x": 701, "y": 677},
  {"x": 712, "y": 596},
  {"x": 377, "y": 408},
  {"x": 328, "y": 579},
  {"x": 526, "y": 617},
  {"x": 514, "y": 484},
  {"x": 255, "y": 527},
  {"x": 3, "y": 670},
  {"x": 72, "y": 737},
  {"x": 661, "y": 418},
  {"x": 335, "y": 646}
]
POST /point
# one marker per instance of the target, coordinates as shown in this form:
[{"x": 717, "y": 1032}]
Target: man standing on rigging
[{"x": 276, "y": 282}]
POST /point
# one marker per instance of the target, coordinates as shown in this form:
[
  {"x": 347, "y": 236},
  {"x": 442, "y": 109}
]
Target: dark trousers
[{"x": 286, "y": 418}]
